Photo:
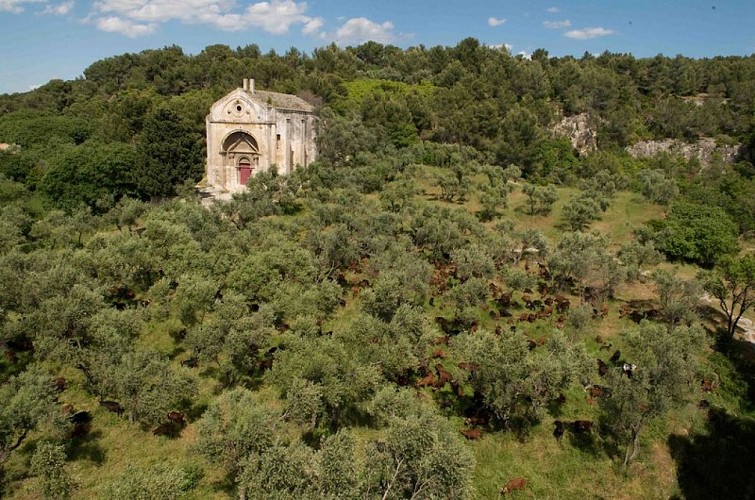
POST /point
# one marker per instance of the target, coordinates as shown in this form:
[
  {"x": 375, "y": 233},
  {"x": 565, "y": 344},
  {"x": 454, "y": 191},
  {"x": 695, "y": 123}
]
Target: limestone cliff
[
  {"x": 577, "y": 128},
  {"x": 704, "y": 149}
]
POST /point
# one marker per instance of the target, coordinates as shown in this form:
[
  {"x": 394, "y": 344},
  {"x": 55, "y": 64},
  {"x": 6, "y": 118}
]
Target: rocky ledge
[{"x": 705, "y": 149}]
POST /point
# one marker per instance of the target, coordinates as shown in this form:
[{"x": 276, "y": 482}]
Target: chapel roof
[{"x": 280, "y": 101}]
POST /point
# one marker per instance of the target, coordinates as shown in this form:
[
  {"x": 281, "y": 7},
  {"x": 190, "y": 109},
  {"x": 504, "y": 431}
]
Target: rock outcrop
[
  {"x": 577, "y": 129},
  {"x": 705, "y": 150}
]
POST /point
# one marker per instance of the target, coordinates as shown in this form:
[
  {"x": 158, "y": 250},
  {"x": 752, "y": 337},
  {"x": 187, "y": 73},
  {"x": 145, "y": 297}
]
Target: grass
[{"x": 563, "y": 470}]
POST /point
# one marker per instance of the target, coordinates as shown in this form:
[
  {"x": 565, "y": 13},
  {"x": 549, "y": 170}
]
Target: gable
[{"x": 238, "y": 107}]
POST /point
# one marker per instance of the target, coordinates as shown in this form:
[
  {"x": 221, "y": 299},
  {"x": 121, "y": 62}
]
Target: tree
[
  {"x": 473, "y": 261},
  {"x": 634, "y": 255},
  {"x": 529, "y": 242},
  {"x": 236, "y": 425},
  {"x": 579, "y": 212},
  {"x": 732, "y": 283},
  {"x": 576, "y": 255},
  {"x": 421, "y": 456},
  {"x": 665, "y": 369},
  {"x": 517, "y": 383},
  {"x": 678, "y": 297},
  {"x": 169, "y": 152},
  {"x": 540, "y": 198},
  {"x": 147, "y": 386},
  {"x": 336, "y": 369},
  {"x": 453, "y": 185},
  {"x": 339, "y": 473},
  {"x": 93, "y": 174},
  {"x": 695, "y": 232},
  {"x": 48, "y": 462},
  {"x": 656, "y": 187},
  {"x": 467, "y": 297},
  {"x": 28, "y": 404},
  {"x": 491, "y": 199}
]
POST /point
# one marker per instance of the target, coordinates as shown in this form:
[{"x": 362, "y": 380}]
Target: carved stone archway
[{"x": 240, "y": 150}]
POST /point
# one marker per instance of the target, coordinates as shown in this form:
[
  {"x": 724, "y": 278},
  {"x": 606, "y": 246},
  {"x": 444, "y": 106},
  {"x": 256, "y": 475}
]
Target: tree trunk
[{"x": 634, "y": 446}]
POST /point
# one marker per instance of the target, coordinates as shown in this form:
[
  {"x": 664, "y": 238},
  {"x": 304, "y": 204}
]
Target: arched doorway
[{"x": 241, "y": 150}]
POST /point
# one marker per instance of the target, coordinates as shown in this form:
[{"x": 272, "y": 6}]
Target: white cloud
[
  {"x": 313, "y": 26},
  {"x": 16, "y": 6},
  {"x": 278, "y": 16},
  {"x": 553, "y": 10},
  {"x": 274, "y": 16},
  {"x": 492, "y": 21},
  {"x": 525, "y": 55},
  {"x": 557, "y": 25},
  {"x": 499, "y": 46},
  {"x": 587, "y": 33},
  {"x": 361, "y": 29},
  {"x": 126, "y": 27},
  {"x": 60, "y": 9}
]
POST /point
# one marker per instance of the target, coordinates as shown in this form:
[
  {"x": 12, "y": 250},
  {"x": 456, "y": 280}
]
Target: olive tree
[
  {"x": 236, "y": 425},
  {"x": 420, "y": 454},
  {"x": 48, "y": 462},
  {"x": 518, "y": 383},
  {"x": 678, "y": 297},
  {"x": 28, "y": 404},
  {"x": 732, "y": 283},
  {"x": 147, "y": 386},
  {"x": 661, "y": 380}
]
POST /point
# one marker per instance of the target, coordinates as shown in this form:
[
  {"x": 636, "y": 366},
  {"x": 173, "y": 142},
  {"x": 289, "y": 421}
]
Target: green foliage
[
  {"x": 665, "y": 370},
  {"x": 420, "y": 457},
  {"x": 540, "y": 198},
  {"x": 732, "y": 283},
  {"x": 48, "y": 462},
  {"x": 159, "y": 481},
  {"x": 169, "y": 152},
  {"x": 580, "y": 211},
  {"x": 340, "y": 377},
  {"x": 517, "y": 383},
  {"x": 576, "y": 255},
  {"x": 698, "y": 233},
  {"x": 656, "y": 187},
  {"x": 146, "y": 386},
  {"x": 96, "y": 175},
  {"x": 299, "y": 307},
  {"x": 636, "y": 255},
  {"x": 236, "y": 425},
  {"x": 30, "y": 128},
  {"x": 28, "y": 405},
  {"x": 678, "y": 297}
]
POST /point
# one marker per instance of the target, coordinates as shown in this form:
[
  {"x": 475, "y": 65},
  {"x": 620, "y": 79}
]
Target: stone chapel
[{"x": 249, "y": 130}]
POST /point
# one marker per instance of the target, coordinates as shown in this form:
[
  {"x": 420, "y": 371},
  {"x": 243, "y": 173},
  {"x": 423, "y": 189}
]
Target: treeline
[{"x": 104, "y": 136}]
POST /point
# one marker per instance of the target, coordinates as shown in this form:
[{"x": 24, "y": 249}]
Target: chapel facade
[{"x": 250, "y": 130}]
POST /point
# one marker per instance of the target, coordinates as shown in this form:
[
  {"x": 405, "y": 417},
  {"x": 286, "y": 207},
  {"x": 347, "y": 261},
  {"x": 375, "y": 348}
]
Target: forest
[{"x": 451, "y": 302}]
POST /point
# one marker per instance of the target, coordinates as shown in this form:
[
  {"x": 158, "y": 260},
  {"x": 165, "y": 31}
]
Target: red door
[{"x": 245, "y": 170}]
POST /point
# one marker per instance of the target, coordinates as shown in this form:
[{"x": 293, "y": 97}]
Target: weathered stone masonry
[{"x": 250, "y": 130}]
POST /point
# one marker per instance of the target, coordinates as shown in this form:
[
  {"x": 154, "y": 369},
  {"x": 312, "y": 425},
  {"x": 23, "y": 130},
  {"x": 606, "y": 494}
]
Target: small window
[{"x": 239, "y": 108}]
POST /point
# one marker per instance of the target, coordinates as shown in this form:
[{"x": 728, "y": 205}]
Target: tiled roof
[{"x": 281, "y": 101}]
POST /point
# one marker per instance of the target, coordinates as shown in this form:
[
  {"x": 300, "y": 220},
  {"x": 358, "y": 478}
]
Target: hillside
[{"x": 450, "y": 299}]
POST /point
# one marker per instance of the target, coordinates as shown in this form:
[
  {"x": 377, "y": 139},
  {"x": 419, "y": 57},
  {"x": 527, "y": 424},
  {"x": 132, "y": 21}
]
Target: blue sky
[{"x": 46, "y": 39}]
